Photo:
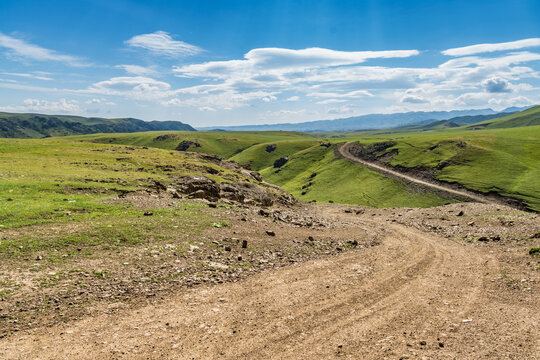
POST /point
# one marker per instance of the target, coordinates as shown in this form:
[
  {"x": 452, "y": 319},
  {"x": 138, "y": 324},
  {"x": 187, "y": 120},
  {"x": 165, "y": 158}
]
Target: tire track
[{"x": 343, "y": 305}]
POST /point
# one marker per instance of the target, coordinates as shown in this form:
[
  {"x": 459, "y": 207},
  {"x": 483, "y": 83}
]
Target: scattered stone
[
  {"x": 483, "y": 239},
  {"x": 441, "y": 345},
  {"x": 263, "y": 212},
  {"x": 212, "y": 205},
  {"x": 186, "y": 144},
  {"x": 228, "y": 248},
  {"x": 256, "y": 176},
  {"x": 39, "y": 257},
  {"x": 244, "y": 244},
  {"x": 148, "y": 213},
  {"x": 423, "y": 343},
  {"x": 270, "y": 233},
  {"x": 352, "y": 242},
  {"x": 310, "y": 238},
  {"x": 460, "y": 213}
]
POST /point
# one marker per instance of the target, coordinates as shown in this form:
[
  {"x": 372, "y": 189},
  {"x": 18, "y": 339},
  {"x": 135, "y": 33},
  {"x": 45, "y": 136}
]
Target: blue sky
[{"x": 251, "y": 62}]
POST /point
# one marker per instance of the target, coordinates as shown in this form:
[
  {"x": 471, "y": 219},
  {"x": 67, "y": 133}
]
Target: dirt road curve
[
  {"x": 415, "y": 296},
  {"x": 344, "y": 151}
]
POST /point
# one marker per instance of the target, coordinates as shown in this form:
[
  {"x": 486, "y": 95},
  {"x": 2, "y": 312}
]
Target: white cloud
[
  {"x": 496, "y": 85},
  {"x": 23, "y": 49},
  {"x": 331, "y": 101},
  {"x": 415, "y": 96},
  {"x": 99, "y": 101},
  {"x": 269, "y": 98},
  {"x": 483, "y": 48},
  {"x": 35, "y": 75},
  {"x": 137, "y": 70},
  {"x": 136, "y": 87},
  {"x": 161, "y": 43},
  {"x": 293, "y": 98},
  {"x": 62, "y": 106},
  {"x": 350, "y": 94},
  {"x": 341, "y": 111},
  {"x": 273, "y": 62}
]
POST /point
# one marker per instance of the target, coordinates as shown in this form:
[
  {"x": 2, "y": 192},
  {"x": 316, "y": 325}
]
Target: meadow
[{"x": 493, "y": 159}]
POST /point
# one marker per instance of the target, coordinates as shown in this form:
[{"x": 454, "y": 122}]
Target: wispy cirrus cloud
[
  {"x": 161, "y": 43},
  {"x": 137, "y": 69},
  {"x": 272, "y": 62},
  {"x": 34, "y": 75},
  {"x": 22, "y": 49},
  {"x": 484, "y": 48}
]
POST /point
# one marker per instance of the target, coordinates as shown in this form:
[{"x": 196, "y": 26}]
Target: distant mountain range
[
  {"x": 372, "y": 121},
  {"x": 39, "y": 126}
]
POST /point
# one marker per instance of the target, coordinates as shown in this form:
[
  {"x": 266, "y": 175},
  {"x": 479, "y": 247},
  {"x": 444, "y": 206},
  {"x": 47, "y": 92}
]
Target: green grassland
[
  {"x": 224, "y": 144},
  {"x": 504, "y": 161},
  {"x": 502, "y": 157},
  {"x": 529, "y": 117},
  {"x": 317, "y": 173},
  {"x": 42, "y": 180},
  {"x": 339, "y": 181}
]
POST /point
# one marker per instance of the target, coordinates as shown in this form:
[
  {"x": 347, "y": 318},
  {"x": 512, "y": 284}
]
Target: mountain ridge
[
  {"x": 362, "y": 122},
  {"x": 30, "y": 125}
]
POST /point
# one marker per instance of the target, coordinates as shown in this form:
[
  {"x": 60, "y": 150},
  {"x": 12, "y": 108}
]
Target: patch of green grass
[
  {"x": 224, "y": 144},
  {"x": 113, "y": 232},
  {"x": 529, "y": 117},
  {"x": 338, "y": 180},
  {"x": 503, "y": 161},
  {"x": 534, "y": 251},
  {"x": 258, "y": 158},
  {"x": 56, "y": 180}
]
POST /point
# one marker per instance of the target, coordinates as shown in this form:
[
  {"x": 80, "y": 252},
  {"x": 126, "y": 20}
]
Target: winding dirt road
[
  {"x": 344, "y": 150},
  {"x": 415, "y": 296}
]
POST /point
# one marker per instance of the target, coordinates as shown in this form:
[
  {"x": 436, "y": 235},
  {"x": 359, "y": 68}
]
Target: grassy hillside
[
  {"x": 316, "y": 173},
  {"x": 41, "y": 180},
  {"x": 340, "y": 182},
  {"x": 504, "y": 161},
  {"x": 224, "y": 144},
  {"x": 529, "y": 117},
  {"x": 39, "y": 126}
]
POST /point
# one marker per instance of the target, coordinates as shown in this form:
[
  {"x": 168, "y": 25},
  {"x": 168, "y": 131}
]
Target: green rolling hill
[
  {"x": 529, "y": 117},
  {"x": 501, "y": 157},
  {"x": 39, "y": 126}
]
